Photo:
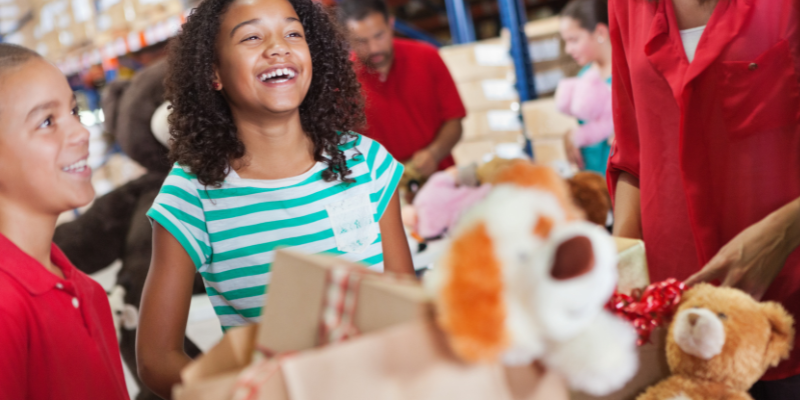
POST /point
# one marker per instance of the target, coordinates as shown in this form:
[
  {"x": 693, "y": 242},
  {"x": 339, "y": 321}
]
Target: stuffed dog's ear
[
  {"x": 472, "y": 309},
  {"x": 782, "y": 336}
]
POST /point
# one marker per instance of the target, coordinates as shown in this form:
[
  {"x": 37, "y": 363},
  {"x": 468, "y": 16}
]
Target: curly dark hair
[{"x": 201, "y": 123}]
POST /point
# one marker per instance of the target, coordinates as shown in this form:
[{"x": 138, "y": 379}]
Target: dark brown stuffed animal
[
  {"x": 116, "y": 226},
  {"x": 590, "y": 193}
]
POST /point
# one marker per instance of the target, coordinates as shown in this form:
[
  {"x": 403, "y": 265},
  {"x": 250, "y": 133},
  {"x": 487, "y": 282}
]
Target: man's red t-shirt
[
  {"x": 57, "y": 339},
  {"x": 405, "y": 112}
]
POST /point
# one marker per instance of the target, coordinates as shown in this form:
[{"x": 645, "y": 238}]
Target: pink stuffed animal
[
  {"x": 441, "y": 202},
  {"x": 588, "y": 98}
]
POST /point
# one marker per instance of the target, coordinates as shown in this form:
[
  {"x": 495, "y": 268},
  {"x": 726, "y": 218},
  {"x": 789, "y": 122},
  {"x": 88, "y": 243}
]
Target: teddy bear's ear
[{"x": 782, "y": 336}]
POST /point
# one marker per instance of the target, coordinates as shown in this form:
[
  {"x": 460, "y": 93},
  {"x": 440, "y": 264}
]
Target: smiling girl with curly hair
[{"x": 264, "y": 98}]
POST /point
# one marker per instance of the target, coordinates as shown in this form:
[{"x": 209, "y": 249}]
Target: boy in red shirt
[
  {"x": 57, "y": 338},
  {"x": 412, "y": 104}
]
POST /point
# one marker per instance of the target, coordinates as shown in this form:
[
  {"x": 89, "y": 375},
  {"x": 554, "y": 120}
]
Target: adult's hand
[
  {"x": 752, "y": 259},
  {"x": 425, "y": 162}
]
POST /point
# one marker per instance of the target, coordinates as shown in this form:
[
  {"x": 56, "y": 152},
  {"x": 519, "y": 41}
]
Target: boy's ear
[{"x": 782, "y": 336}]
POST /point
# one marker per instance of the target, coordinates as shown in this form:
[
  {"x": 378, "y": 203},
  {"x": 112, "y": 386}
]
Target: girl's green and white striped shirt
[{"x": 231, "y": 232}]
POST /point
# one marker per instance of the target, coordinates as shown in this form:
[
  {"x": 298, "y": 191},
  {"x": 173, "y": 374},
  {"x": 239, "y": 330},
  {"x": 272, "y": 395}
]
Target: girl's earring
[
  {"x": 601, "y": 40},
  {"x": 216, "y": 86}
]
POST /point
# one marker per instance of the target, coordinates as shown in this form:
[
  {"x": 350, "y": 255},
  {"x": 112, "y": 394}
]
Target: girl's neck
[
  {"x": 30, "y": 231},
  {"x": 693, "y": 13},
  {"x": 275, "y": 147},
  {"x": 603, "y": 63}
]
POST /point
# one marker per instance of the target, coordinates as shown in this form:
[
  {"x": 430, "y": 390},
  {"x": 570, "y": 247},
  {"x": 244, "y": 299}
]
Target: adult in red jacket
[
  {"x": 412, "y": 105},
  {"x": 706, "y": 164}
]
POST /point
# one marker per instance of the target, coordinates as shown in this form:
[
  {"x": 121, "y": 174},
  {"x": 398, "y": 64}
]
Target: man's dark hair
[
  {"x": 359, "y": 9},
  {"x": 12, "y": 55}
]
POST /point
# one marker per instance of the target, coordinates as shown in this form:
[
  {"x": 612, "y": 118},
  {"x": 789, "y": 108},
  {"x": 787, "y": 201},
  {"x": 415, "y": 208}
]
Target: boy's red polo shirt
[
  {"x": 57, "y": 338},
  {"x": 405, "y": 112}
]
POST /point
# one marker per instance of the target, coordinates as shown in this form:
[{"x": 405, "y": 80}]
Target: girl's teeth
[{"x": 77, "y": 167}]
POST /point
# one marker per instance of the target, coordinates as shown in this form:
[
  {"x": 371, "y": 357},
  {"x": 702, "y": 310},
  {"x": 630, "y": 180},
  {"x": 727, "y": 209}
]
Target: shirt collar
[{"x": 31, "y": 274}]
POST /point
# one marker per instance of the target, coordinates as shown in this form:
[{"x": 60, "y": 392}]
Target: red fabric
[
  {"x": 50, "y": 348},
  {"x": 715, "y": 143},
  {"x": 406, "y": 112}
]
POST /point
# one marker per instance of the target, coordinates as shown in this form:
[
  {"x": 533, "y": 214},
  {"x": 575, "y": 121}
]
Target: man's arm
[{"x": 427, "y": 160}]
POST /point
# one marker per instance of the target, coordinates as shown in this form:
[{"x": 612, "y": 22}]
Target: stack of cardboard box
[
  {"x": 484, "y": 74},
  {"x": 547, "y": 128},
  {"x": 61, "y": 28}
]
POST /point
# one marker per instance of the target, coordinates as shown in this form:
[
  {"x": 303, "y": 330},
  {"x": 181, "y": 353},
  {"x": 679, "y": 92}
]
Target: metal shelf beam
[
  {"x": 512, "y": 15},
  {"x": 462, "y": 28}
]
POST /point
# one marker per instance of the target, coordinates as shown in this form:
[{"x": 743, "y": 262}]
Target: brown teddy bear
[{"x": 720, "y": 343}]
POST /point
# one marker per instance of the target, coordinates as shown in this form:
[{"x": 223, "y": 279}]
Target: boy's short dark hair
[
  {"x": 359, "y": 9},
  {"x": 12, "y": 55}
]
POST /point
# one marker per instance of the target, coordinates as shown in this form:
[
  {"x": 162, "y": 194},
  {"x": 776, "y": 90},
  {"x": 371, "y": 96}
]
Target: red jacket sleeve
[
  {"x": 625, "y": 150},
  {"x": 13, "y": 347},
  {"x": 450, "y": 105}
]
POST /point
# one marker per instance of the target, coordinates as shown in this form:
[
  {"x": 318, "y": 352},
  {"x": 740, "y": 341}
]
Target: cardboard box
[
  {"x": 479, "y": 151},
  {"x": 476, "y": 61},
  {"x": 549, "y": 151},
  {"x": 544, "y": 121},
  {"x": 404, "y": 361},
  {"x": 294, "y": 302},
  {"x": 492, "y": 124},
  {"x": 491, "y": 92},
  {"x": 632, "y": 265},
  {"x": 652, "y": 369},
  {"x": 409, "y": 361},
  {"x": 652, "y": 356}
]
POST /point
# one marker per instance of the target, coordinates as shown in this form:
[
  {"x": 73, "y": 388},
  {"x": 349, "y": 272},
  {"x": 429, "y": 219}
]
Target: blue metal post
[
  {"x": 414, "y": 33},
  {"x": 462, "y": 28},
  {"x": 512, "y": 15}
]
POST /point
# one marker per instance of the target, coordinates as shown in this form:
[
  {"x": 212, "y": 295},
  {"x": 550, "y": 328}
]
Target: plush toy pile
[
  {"x": 526, "y": 278},
  {"x": 447, "y": 196}
]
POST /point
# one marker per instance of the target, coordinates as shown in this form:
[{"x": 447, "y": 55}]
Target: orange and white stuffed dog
[{"x": 525, "y": 278}]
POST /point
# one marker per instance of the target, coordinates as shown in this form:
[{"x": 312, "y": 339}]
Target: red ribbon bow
[{"x": 649, "y": 308}]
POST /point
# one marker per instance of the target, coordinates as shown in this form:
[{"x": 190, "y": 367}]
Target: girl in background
[{"x": 584, "y": 28}]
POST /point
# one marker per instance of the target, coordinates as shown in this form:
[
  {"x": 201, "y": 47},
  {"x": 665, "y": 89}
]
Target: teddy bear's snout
[{"x": 699, "y": 332}]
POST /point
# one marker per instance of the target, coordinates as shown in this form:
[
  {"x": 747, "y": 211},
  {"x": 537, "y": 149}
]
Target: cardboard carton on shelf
[
  {"x": 549, "y": 151},
  {"x": 491, "y": 92},
  {"x": 493, "y": 123},
  {"x": 543, "y": 121},
  {"x": 476, "y": 151},
  {"x": 476, "y": 61}
]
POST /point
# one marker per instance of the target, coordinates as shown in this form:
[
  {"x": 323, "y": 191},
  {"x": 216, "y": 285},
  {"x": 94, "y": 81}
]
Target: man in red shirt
[
  {"x": 412, "y": 105},
  {"x": 706, "y": 163},
  {"x": 57, "y": 338}
]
